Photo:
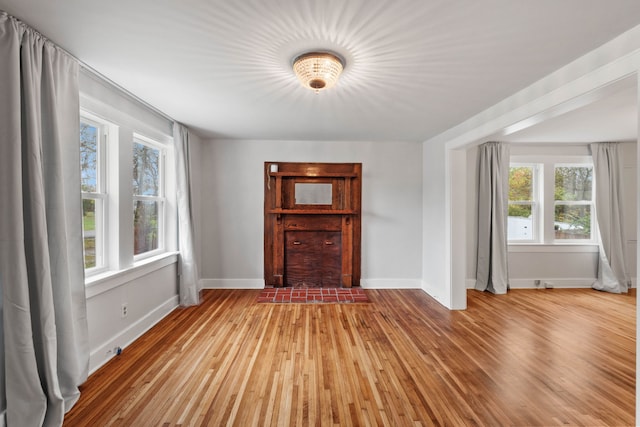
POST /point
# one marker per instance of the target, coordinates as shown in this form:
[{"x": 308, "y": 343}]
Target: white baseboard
[
  {"x": 232, "y": 283},
  {"x": 391, "y": 283},
  {"x": 259, "y": 283},
  {"x": 108, "y": 350},
  {"x": 566, "y": 283},
  {"x": 436, "y": 294}
]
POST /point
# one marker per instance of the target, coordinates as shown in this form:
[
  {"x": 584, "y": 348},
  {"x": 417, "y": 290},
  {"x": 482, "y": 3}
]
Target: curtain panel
[
  {"x": 493, "y": 190},
  {"x": 45, "y": 351},
  {"x": 607, "y": 166},
  {"x": 189, "y": 279}
]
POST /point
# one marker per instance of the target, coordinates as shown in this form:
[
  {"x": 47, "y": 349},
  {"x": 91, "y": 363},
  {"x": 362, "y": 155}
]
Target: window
[
  {"x": 128, "y": 183},
  {"x": 148, "y": 197},
  {"x": 109, "y": 180},
  {"x": 551, "y": 202},
  {"x": 523, "y": 201},
  {"x": 573, "y": 202},
  {"x": 93, "y": 180}
]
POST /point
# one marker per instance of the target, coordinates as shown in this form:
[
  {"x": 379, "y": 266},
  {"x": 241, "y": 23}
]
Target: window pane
[
  {"x": 145, "y": 222},
  {"x": 572, "y": 222},
  {"x": 573, "y": 183},
  {"x": 89, "y": 232},
  {"x": 520, "y": 223},
  {"x": 520, "y": 220},
  {"x": 521, "y": 183},
  {"x": 146, "y": 169},
  {"x": 89, "y": 157}
]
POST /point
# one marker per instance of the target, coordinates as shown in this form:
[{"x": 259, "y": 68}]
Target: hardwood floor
[{"x": 529, "y": 358}]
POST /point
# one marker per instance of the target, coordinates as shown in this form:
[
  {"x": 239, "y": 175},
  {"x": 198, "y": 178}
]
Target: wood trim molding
[{"x": 283, "y": 216}]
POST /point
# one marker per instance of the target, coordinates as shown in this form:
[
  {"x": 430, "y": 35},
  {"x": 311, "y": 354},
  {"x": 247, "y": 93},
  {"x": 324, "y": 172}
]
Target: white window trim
[
  {"x": 162, "y": 217},
  {"x": 101, "y": 193},
  {"x": 591, "y": 203},
  {"x": 123, "y": 125},
  {"x": 109, "y": 280},
  {"x": 536, "y": 212},
  {"x": 545, "y": 191}
]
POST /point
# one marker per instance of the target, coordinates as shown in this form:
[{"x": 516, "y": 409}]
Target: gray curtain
[
  {"x": 45, "y": 351},
  {"x": 189, "y": 278},
  {"x": 493, "y": 191},
  {"x": 612, "y": 270}
]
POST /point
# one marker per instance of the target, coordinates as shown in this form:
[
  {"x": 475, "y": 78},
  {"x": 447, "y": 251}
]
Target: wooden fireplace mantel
[{"x": 318, "y": 243}]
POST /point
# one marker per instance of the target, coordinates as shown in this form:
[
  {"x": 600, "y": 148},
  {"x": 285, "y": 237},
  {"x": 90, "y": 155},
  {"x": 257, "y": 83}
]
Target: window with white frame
[
  {"x": 128, "y": 185},
  {"x": 148, "y": 197},
  {"x": 573, "y": 202},
  {"x": 93, "y": 137},
  {"x": 551, "y": 202},
  {"x": 522, "y": 223}
]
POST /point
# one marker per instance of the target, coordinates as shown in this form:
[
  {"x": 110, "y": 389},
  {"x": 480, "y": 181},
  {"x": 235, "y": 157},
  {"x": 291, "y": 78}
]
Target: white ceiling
[
  {"x": 414, "y": 68},
  {"x": 611, "y": 115}
]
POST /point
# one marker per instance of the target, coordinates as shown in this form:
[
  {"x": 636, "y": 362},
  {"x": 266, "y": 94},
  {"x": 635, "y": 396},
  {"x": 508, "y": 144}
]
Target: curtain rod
[{"x": 91, "y": 70}]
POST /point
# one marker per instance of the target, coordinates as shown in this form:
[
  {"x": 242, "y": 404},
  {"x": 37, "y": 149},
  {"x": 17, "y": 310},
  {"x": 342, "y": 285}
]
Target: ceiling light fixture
[{"x": 318, "y": 70}]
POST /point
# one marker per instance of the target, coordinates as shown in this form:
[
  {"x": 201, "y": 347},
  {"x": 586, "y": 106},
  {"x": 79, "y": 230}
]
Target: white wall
[
  {"x": 195, "y": 156},
  {"x": 233, "y": 207},
  {"x": 149, "y": 287},
  {"x": 434, "y": 209},
  {"x": 566, "y": 265},
  {"x": 150, "y": 292}
]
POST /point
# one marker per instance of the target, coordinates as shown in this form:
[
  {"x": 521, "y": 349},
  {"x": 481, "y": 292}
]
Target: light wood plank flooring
[{"x": 529, "y": 358}]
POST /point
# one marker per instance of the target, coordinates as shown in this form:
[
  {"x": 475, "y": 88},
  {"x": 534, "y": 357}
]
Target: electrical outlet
[
  {"x": 124, "y": 310},
  {"x": 537, "y": 283},
  {"x": 115, "y": 351}
]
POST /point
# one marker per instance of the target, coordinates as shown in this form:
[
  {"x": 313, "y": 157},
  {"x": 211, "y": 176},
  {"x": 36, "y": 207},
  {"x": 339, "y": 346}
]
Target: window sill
[
  {"x": 553, "y": 248},
  {"x": 104, "y": 282}
]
